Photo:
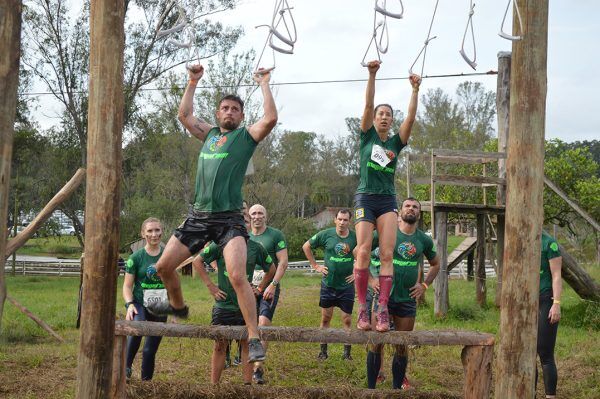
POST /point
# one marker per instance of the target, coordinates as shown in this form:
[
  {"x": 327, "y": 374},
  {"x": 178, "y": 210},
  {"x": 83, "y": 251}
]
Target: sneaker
[
  {"x": 380, "y": 378},
  {"x": 227, "y": 363},
  {"x": 383, "y": 320},
  {"x": 363, "y": 318},
  {"x": 128, "y": 372},
  {"x": 405, "y": 384},
  {"x": 256, "y": 352},
  {"x": 164, "y": 308},
  {"x": 258, "y": 376},
  {"x": 347, "y": 356},
  {"x": 322, "y": 356},
  {"x": 237, "y": 361}
]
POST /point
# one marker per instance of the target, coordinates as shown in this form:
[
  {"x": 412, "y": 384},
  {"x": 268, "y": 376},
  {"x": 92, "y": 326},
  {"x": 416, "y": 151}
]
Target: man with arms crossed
[
  {"x": 337, "y": 285},
  {"x": 215, "y": 215},
  {"x": 273, "y": 241}
]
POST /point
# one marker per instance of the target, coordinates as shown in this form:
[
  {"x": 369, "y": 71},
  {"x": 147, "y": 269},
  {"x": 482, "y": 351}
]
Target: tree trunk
[
  {"x": 516, "y": 355},
  {"x": 10, "y": 51},
  {"x": 102, "y": 202}
]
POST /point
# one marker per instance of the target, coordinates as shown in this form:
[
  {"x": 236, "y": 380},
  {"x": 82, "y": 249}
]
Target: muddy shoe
[
  {"x": 258, "y": 376},
  {"x": 383, "y": 320},
  {"x": 363, "y": 318},
  {"x": 322, "y": 356},
  {"x": 164, "y": 308},
  {"x": 256, "y": 352}
]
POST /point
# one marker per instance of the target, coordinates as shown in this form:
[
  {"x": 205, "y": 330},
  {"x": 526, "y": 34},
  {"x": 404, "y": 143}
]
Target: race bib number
[
  {"x": 153, "y": 296},
  {"x": 257, "y": 277},
  {"x": 378, "y": 155}
]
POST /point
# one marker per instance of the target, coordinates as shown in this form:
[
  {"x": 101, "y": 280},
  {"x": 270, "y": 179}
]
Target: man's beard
[
  {"x": 410, "y": 219},
  {"x": 229, "y": 125}
]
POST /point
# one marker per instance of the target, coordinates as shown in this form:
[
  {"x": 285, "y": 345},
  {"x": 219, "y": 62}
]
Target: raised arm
[
  {"x": 265, "y": 125},
  {"x": 407, "y": 124},
  {"x": 369, "y": 112},
  {"x": 196, "y": 126}
]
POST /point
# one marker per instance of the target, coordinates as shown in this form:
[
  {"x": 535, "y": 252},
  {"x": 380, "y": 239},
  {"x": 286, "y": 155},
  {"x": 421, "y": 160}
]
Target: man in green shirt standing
[
  {"x": 411, "y": 243},
  {"x": 226, "y": 311},
  {"x": 274, "y": 242},
  {"x": 215, "y": 214},
  {"x": 337, "y": 285}
]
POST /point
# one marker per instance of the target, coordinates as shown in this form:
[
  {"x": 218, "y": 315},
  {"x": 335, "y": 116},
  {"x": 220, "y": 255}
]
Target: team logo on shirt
[
  {"x": 554, "y": 246},
  {"x": 342, "y": 249},
  {"x": 390, "y": 154},
  {"x": 151, "y": 273},
  {"x": 216, "y": 142},
  {"x": 407, "y": 250}
]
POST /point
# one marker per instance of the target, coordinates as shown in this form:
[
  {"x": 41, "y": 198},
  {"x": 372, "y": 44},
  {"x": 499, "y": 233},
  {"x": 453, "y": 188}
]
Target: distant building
[{"x": 325, "y": 217}]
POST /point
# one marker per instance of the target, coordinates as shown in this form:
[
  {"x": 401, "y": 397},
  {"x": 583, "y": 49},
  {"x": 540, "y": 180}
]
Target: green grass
[
  {"x": 33, "y": 365},
  {"x": 61, "y": 247}
]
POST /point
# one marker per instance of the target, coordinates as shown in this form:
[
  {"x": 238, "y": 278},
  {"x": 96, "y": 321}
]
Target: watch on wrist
[
  {"x": 275, "y": 283},
  {"x": 127, "y": 304}
]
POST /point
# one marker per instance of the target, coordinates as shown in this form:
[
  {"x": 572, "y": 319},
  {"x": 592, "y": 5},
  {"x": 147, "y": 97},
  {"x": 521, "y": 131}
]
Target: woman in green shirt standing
[{"x": 141, "y": 287}]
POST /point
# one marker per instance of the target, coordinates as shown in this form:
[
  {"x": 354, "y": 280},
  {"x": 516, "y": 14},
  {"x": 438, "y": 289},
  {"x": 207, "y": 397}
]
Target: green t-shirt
[
  {"x": 143, "y": 268},
  {"x": 222, "y": 164},
  {"x": 273, "y": 240},
  {"x": 549, "y": 251},
  {"x": 374, "y": 177},
  {"x": 407, "y": 254},
  {"x": 257, "y": 256},
  {"x": 338, "y": 256}
]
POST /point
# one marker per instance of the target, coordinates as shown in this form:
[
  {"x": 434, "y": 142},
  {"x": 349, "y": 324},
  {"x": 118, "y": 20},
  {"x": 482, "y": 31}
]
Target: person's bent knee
[
  {"x": 385, "y": 255},
  {"x": 221, "y": 346},
  {"x": 237, "y": 278},
  {"x": 364, "y": 254}
]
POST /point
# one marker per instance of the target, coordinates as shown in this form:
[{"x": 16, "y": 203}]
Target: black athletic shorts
[
  {"x": 226, "y": 317},
  {"x": 403, "y": 309},
  {"x": 372, "y": 301},
  {"x": 368, "y": 207},
  {"x": 343, "y": 299},
  {"x": 202, "y": 227},
  {"x": 267, "y": 308}
]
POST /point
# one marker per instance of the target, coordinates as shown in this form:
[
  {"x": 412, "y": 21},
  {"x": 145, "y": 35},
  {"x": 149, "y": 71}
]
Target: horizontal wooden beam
[
  {"x": 305, "y": 334},
  {"x": 451, "y": 207},
  {"x": 455, "y": 180},
  {"x": 469, "y": 154},
  {"x": 451, "y": 159}
]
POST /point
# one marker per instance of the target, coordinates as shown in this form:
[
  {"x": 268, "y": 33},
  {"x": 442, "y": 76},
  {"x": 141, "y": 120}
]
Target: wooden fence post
[
  {"x": 441, "y": 303},
  {"x": 119, "y": 384},
  {"x": 480, "y": 264},
  {"x": 477, "y": 364},
  {"x": 102, "y": 200},
  {"x": 516, "y": 355}
]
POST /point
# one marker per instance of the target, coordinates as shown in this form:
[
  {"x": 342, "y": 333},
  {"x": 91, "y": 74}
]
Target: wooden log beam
[
  {"x": 580, "y": 280},
  {"x": 481, "y": 288},
  {"x": 451, "y": 207},
  {"x": 60, "y": 197},
  {"x": 465, "y": 159},
  {"x": 572, "y": 204},
  {"x": 441, "y": 301},
  {"x": 102, "y": 201},
  {"x": 305, "y": 334},
  {"x": 516, "y": 355},
  {"x": 35, "y": 318},
  {"x": 118, "y": 388},
  {"x": 477, "y": 364},
  {"x": 10, "y": 53},
  {"x": 473, "y": 154}
]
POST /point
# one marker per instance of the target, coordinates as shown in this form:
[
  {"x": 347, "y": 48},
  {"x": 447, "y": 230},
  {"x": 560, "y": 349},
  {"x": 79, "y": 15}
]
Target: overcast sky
[{"x": 333, "y": 36}]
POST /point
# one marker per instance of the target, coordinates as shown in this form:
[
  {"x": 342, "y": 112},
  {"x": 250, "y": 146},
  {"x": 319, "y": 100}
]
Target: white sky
[{"x": 333, "y": 36}]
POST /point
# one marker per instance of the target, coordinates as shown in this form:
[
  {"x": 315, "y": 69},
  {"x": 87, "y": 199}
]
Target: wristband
[
  {"x": 425, "y": 285},
  {"x": 192, "y": 81},
  {"x": 556, "y": 302},
  {"x": 127, "y": 304}
]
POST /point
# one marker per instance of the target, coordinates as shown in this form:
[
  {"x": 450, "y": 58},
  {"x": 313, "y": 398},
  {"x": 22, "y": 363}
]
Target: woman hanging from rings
[
  {"x": 375, "y": 205},
  {"x": 141, "y": 287}
]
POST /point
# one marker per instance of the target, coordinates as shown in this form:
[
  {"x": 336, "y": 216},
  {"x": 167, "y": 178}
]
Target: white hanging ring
[
  {"x": 383, "y": 10},
  {"x": 506, "y": 35}
]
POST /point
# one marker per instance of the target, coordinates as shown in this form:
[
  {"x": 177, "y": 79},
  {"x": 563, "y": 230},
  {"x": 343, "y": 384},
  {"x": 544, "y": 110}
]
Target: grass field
[
  {"x": 66, "y": 247},
  {"x": 33, "y": 365}
]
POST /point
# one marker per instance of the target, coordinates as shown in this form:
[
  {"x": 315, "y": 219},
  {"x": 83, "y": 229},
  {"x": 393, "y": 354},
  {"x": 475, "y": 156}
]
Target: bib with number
[
  {"x": 257, "y": 277},
  {"x": 153, "y": 296},
  {"x": 378, "y": 155}
]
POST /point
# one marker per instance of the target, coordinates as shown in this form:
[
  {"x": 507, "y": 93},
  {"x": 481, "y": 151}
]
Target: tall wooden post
[
  {"x": 105, "y": 125},
  {"x": 10, "y": 52},
  {"x": 502, "y": 110},
  {"x": 441, "y": 302},
  {"x": 524, "y": 205},
  {"x": 480, "y": 263}
]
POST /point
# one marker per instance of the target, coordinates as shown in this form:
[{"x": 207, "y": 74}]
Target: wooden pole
[
  {"x": 35, "y": 318},
  {"x": 470, "y": 263},
  {"x": 102, "y": 202},
  {"x": 503, "y": 112},
  {"x": 480, "y": 264},
  {"x": 524, "y": 206},
  {"x": 441, "y": 303},
  {"x": 10, "y": 51},
  {"x": 305, "y": 334},
  {"x": 118, "y": 388},
  {"x": 477, "y": 363},
  {"x": 64, "y": 193}
]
